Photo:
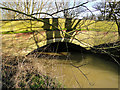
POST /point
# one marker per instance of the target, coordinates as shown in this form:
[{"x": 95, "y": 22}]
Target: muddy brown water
[{"x": 99, "y": 70}]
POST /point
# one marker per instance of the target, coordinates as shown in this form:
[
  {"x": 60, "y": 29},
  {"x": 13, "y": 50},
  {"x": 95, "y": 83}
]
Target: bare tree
[
  {"x": 34, "y": 10},
  {"x": 114, "y": 14},
  {"x": 29, "y": 11},
  {"x": 71, "y": 13},
  {"x": 103, "y": 7},
  {"x": 26, "y": 6},
  {"x": 109, "y": 11}
]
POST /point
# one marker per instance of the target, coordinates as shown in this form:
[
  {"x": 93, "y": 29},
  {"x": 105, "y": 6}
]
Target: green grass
[
  {"x": 43, "y": 82},
  {"x": 15, "y": 32},
  {"x": 8, "y": 27},
  {"x": 26, "y": 31}
]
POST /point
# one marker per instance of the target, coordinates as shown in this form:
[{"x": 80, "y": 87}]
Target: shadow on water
[
  {"x": 73, "y": 53},
  {"x": 59, "y": 50},
  {"x": 68, "y": 51},
  {"x": 100, "y": 68}
]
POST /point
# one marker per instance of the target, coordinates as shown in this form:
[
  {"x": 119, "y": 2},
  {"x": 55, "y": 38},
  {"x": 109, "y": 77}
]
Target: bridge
[
  {"x": 69, "y": 32},
  {"x": 51, "y": 35}
]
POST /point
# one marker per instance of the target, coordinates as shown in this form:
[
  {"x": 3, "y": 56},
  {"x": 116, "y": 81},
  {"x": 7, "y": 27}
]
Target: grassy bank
[
  {"x": 19, "y": 71},
  {"x": 23, "y": 72},
  {"x": 29, "y": 26}
]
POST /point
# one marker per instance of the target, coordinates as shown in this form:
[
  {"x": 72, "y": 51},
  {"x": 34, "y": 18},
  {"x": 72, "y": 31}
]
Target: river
[{"x": 100, "y": 72}]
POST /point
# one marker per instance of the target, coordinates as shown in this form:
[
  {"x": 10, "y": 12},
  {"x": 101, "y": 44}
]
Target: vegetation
[
  {"x": 20, "y": 71},
  {"x": 25, "y": 26},
  {"x": 109, "y": 11}
]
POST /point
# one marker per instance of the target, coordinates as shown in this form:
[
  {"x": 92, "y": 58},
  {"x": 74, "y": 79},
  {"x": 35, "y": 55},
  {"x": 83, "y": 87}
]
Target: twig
[
  {"x": 43, "y": 13},
  {"x": 29, "y": 15},
  {"x": 69, "y": 8},
  {"x": 82, "y": 73},
  {"x": 76, "y": 80}
]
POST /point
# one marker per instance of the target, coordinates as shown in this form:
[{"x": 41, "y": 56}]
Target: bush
[{"x": 20, "y": 72}]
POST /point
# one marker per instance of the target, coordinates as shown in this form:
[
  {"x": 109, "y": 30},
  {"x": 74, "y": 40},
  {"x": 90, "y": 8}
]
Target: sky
[{"x": 89, "y": 5}]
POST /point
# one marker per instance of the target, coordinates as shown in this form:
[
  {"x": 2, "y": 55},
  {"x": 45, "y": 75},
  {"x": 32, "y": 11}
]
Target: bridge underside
[
  {"x": 85, "y": 40},
  {"x": 59, "y": 45}
]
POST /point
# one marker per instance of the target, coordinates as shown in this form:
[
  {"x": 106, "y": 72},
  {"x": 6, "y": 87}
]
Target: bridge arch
[
  {"x": 71, "y": 43},
  {"x": 52, "y": 35},
  {"x": 67, "y": 40}
]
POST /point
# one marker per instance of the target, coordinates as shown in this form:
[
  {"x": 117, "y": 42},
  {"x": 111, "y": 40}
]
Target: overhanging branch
[
  {"x": 29, "y": 15},
  {"x": 69, "y": 8}
]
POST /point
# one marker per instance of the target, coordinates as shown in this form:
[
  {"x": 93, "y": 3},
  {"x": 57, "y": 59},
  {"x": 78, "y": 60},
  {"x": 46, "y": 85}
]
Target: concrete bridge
[{"x": 69, "y": 35}]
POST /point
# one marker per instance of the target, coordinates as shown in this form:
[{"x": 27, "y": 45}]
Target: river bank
[{"x": 23, "y": 72}]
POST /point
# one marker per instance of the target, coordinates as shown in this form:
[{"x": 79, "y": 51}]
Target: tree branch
[
  {"x": 28, "y": 16},
  {"x": 42, "y": 13},
  {"x": 82, "y": 73},
  {"x": 69, "y": 8}
]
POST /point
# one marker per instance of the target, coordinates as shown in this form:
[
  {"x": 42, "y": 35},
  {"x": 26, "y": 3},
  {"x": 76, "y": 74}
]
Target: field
[
  {"x": 29, "y": 26},
  {"x": 91, "y": 32}
]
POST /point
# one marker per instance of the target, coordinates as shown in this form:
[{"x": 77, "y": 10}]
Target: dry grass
[
  {"x": 21, "y": 71},
  {"x": 24, "y": 72}
]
